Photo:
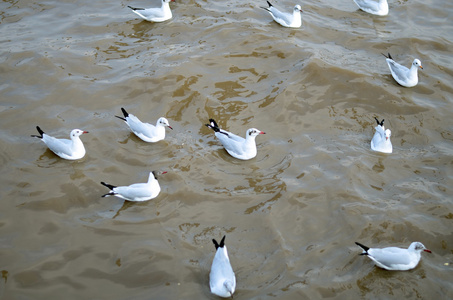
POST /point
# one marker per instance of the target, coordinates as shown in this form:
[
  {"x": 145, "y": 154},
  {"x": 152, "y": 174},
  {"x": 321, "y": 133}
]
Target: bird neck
[
  {"x": 250, "y": 138},
  {"x": 229, "y": 286},
  {"x": 77, "y": 142},
  {"x": 151, "y": 177},
  {"x": 414, "y": 70},
  {"x": 166, "y": 6}
]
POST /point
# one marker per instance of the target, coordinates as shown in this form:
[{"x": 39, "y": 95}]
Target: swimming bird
[
  {"x": 293, "y": 20},
  {"x": 137, "y": 191},
  {"x": 237, "y": 146},
  {"x": 145, "y": 131},
  {"x": 380, "y": 7},
  {"x": 155, "y": 14},
  {"x": 381, "y": 139},
  {"x": 221, "y": 279},
  {"x": 394, "y": 258},
  {"x": 68, "y": 149},
  {"x": 404, "y": 76}
]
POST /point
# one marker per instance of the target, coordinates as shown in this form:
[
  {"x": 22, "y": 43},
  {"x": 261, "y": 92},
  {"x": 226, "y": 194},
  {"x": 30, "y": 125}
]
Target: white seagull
[
  {"x": 137, "y": 191},
  {"x": 155, "y": 14},
  {"x": 293, "y": 20},
  {"x": 145, "y": 131},
  {"x": 237, "y": 146},
  {"x": 404, "y": 76},
  {"x": 221, "y": 279},
  {"x": 394, "y": 258},
  {"x": 381, "y": 139},
  {"x": 380, "y": 7},
  {"x": 68, "y": 149}
]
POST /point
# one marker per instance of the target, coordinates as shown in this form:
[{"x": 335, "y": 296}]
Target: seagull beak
[
  {"x": 421, "y": 67},
  {"x": 170, "y": 127},
  {"x": 386, "y": 138},
  {"x": 85, "y": 132},
  {"x": 262, "y": 132},
  {"x": 427, "y": 250}
]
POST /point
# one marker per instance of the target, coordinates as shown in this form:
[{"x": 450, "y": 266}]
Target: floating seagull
[
  {"x": 137, "y": 191},
  {"x": 145, "y": 131},
  {"x": 221, "y": 279},
  {"x": 68, "y": 149},
  {"x": 155, "y": 14},
  {"x": 293, "y": 20},
  {"x": 381, "y": 139},
  {"x": 380, "y": 7},
  {"x": 404, "y": 76},
  {"x": 237, "y": 146},
  {"x": 394, "y": 258}
]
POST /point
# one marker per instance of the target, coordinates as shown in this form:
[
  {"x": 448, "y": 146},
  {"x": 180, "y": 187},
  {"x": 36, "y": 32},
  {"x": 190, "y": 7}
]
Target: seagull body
[
  {"x": 136, "y": 191},
  {"x": 155, "y": 14},
  {"x": 293, "y": 20},
  {"x": 221, "y": 279},
  {"x": 145, "y": 131},
  {"x": 394, "y": 258},
  {"x": 380, "y": 7},
  {"x": 237, "y": 146},
  {"x": 381, "y": 139},
  {"x": 404, "y": 76},
  {"x": 68, "y": 149}
]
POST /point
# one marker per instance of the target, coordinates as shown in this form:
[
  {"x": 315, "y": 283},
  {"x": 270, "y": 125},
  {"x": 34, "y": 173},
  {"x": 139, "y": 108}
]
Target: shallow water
[{"x": 291, "y": 215}]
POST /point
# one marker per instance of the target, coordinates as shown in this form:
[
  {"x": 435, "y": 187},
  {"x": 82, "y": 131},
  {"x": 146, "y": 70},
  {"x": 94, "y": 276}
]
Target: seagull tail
[
  {"x": 387, "y": 56},
  {"x": 124, "y": 113},
  {"x": 213, "y": 125},
  {"x": 215, "y": 244},
  {"x": 379, "y": 123},
  {"x": 40, "y": 133},
  {"x": 267, "y": 8},
  {"x": 364, "y": 248},
  {"x": 108, "y": 185},
  {"x": 222, "y": 243},
  {"x": 135, "y": 8}
]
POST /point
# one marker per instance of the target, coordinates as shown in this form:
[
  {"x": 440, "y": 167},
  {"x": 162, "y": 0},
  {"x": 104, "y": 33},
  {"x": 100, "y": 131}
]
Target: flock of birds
[{"x": 222, "y": 278}]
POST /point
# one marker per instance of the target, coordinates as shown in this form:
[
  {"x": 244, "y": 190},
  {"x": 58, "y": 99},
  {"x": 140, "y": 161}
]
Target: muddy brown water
[{"x": 291, "y": 215}]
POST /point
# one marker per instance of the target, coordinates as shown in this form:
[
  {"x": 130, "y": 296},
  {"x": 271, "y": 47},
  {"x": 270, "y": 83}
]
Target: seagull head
[
  {"x": 417, "y": 246},
  {"x": 417, "y": 63},
  {"x": 254, "y": 132},
  {"x": 164, "y": 122},
  {"x": 297, "y": 8},
  {"x": 388, "y": 133},
  {"x": 77, "y": 132},
  {"x": 155, "y": 174}
]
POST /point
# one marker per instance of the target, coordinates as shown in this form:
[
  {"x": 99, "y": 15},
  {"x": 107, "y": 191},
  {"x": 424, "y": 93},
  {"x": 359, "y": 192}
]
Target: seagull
[
  {"x": 381, "y": 139},
  {"x": 137, "y": 191},
  {"x": 221, "y": 279},
  {"x": 237, "y": 146},
  {"x": 68, "y": 149},
  {"x": 404, "y": 76},
  {"x": 380, "y": 8},
  {"x": 145, "y": 131},
  {"x": 293, "y": 20},
  {"x": 155, "y": 14},
  {"x": 394, "y": 258}
]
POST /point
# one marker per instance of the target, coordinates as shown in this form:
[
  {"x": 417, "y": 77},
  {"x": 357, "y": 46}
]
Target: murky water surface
[{"x": 291, "y": 215}]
